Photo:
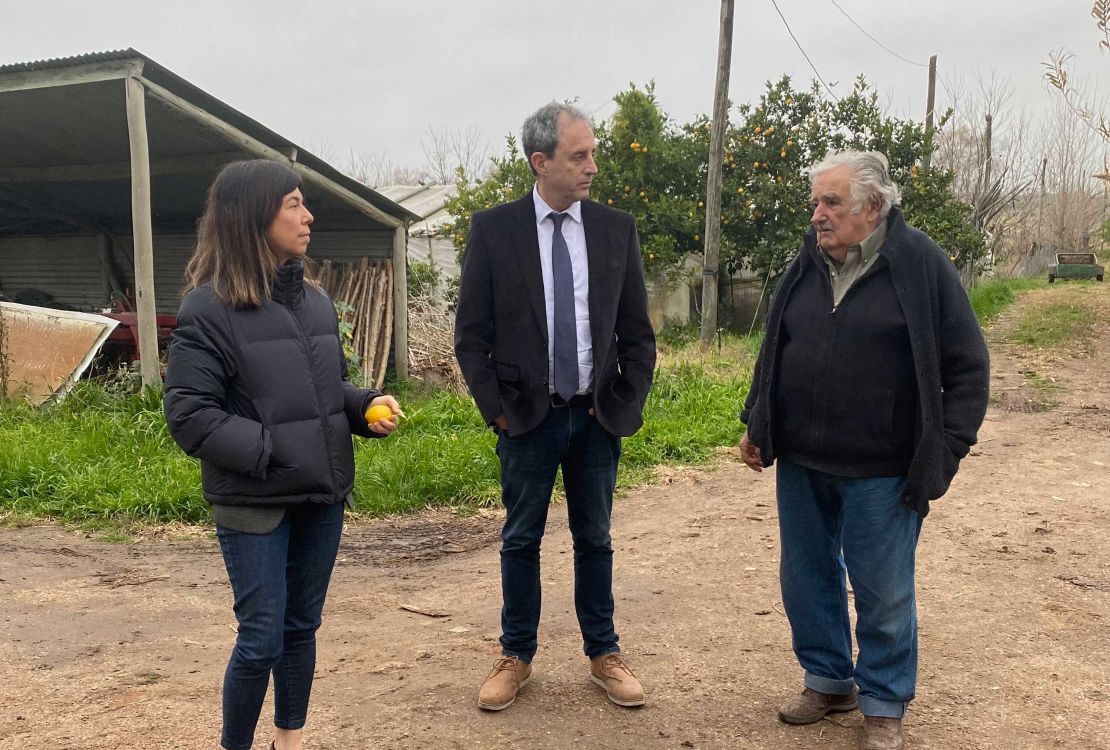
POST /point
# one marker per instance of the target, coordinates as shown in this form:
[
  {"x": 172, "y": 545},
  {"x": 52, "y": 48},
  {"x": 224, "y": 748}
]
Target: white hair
[{"x": 870, "y": 178}]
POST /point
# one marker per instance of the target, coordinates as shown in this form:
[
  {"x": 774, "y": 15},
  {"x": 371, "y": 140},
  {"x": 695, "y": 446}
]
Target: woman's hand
[{"x": 386, "y": 426}]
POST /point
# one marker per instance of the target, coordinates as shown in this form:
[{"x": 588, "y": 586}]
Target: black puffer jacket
[{"x": 261, "y": 396}]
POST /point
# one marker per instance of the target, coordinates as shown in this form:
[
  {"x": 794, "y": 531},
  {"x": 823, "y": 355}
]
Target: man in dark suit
[{"x": 553, "y": 338}]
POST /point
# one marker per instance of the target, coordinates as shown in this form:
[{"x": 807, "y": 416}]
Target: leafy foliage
[{"x": 657, "y": 171}]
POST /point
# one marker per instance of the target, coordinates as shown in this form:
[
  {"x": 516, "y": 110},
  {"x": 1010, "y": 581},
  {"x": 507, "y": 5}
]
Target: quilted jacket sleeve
[{"x": 199, "y": 370}]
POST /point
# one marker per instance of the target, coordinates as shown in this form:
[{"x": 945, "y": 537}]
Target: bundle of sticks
[{"x": 363, "y": 293}]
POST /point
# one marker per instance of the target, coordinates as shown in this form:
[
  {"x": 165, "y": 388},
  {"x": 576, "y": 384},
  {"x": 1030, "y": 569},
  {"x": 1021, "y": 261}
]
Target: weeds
[
  {"x": 1055, "y": 325},
  {"x": 103, "y": 458},
  {"x": 990, "y": 298}
]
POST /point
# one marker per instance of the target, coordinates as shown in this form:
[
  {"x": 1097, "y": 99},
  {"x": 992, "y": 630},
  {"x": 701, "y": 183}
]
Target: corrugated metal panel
[
  {"x": 426, "y": 201},
  {"x": 437, "y": 250},
  {"x": 343, "y": 247},
  {"x": 162, "y": 140},
  {"x": 68, "y": 267},
  {"x": 65, "y": 62}
]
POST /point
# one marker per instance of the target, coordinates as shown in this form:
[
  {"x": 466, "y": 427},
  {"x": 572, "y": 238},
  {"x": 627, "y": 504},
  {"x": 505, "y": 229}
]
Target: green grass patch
[
  {"x": 1042, "y": 383},
  {"x": 990, "y": 298},
  {"x": 107, "y": 463},
  {"x": 94, "y": 459},
  {"x": 1055, "y": 325}
]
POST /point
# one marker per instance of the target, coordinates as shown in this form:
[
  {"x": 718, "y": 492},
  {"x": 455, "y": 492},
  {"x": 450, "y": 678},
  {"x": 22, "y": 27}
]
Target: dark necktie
[{"x": 565, "y": 336}]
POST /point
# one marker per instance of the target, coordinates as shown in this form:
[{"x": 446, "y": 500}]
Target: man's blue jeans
[
  {"x": 279, "y": 581},
  {"x": 571, "y": 438},
  {"x": 829, "y": 523}
]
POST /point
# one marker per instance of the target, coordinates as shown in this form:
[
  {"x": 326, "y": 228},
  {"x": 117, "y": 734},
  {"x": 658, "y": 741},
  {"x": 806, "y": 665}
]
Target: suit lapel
[
  {"x": 597, "y": 258},
  {"x": 526, "y": 250}
]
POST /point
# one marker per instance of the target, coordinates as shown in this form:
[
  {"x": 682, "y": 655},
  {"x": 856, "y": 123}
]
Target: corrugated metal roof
[
  {"x": 427, "y": 202},
  {"x": 65, "y": 62},
  {"x": 178, "y": 86}
]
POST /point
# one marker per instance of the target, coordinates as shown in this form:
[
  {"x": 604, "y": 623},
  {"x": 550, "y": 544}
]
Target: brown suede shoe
[
  {"x": 810, "y": 706},
  {"x": 621, "y": 686},
  {"x": 499, "y": 690},
  {"x": 881, "y": 733}
]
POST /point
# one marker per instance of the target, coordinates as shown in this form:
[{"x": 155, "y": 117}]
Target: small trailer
[{"x": 1075, "y": 266}]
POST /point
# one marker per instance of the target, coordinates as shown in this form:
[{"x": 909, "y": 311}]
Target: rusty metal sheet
[{"x": 43, "y": 351}]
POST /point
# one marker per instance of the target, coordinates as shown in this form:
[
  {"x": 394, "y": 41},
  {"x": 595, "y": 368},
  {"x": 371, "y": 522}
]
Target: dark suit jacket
[{"x": 501, "y": 320}]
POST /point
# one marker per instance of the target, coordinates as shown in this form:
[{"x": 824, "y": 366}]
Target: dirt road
[{"x": 123, "y": 646}]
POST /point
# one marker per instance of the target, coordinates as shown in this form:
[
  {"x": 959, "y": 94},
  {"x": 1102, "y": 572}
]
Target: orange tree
[
  {"x": 657, "y": 171},
  {"x": 766, "y": 200},
  {"x": 646, "y": 166}
]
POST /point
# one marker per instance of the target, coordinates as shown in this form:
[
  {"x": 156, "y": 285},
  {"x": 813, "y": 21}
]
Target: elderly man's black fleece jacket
[
  {"x": 261, "y": 396},
  {"x": 936, "y": 374}
]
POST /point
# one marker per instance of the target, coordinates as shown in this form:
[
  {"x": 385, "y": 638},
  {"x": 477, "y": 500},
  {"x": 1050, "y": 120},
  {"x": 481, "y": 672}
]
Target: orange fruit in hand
[{"x": 377, "y": 413}]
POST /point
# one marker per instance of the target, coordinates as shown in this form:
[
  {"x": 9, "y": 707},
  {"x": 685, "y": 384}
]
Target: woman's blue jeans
[
  {"x": 570, "y": 438},
  {"x": 828, "y": 524},
  {"x": 279, "y": 581}
]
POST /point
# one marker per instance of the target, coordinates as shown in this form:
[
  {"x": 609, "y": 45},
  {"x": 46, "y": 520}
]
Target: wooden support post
[
  {"x": 929, "y": 104},
  {"x": 400, "y": 303},
  {"x": 711, "y": 266},
  {"x": 143, "y": 233},
  {"x": 104, "y": 245}
]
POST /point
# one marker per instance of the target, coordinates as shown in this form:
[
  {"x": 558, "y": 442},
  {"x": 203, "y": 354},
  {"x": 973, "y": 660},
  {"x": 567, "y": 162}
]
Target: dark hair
[
  {"x": 541, "y": 129},
  {"x": 232, "y": 251}
]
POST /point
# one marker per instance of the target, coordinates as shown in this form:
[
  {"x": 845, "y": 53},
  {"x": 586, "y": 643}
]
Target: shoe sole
[
  {"x": 492, "y": 707},
  {"x": 801, "y": 721},
  {"x": 626, "y": 704}
]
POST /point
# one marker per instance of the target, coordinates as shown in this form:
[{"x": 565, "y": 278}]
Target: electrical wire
[
  {"x": 876, "y": 41},
  {"x": 799, "y": 46}
]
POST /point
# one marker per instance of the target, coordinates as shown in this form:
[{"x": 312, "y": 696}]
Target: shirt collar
[
  {"x": 873, "y": 242},
  {"x": 868, "y": 248},
  {"x": 542, "y": 209}
]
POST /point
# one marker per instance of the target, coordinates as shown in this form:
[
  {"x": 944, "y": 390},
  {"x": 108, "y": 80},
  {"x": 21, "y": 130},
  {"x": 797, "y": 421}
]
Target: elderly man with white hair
[{"x": 869, "y": 389}]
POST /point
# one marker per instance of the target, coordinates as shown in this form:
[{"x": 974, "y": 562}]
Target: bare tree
[
  {"x": 984, "y": 145},
  {"x": 1074, "y": 156},
  {"x": 449, "y": 152},
  {"x": 375, "y": 169}
]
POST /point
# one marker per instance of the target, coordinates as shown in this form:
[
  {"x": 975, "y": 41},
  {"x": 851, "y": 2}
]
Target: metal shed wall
[
  {"x": 64, "y": 266},
  {"x": 68, "y": 266}
]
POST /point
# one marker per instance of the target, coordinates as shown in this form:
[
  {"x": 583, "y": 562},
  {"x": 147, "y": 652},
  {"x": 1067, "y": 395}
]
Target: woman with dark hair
[{"x": 257, "y": 389}]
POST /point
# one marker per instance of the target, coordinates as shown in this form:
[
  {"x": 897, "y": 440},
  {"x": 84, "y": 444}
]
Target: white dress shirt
[{"x": 575, "y": 235}]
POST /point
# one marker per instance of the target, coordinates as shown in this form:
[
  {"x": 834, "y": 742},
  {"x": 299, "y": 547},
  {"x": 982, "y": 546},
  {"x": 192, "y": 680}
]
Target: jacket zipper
[{"x": 316, "y": 390}]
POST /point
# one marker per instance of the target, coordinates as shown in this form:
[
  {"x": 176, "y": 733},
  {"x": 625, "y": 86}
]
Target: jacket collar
[{"x": 288, "y": 285}]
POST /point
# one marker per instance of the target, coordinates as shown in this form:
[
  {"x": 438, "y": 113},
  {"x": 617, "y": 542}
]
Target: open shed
[{"x": 104, "y": 163}]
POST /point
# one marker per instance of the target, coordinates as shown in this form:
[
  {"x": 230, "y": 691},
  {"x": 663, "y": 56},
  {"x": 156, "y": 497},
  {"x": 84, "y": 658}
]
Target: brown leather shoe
[
  {"x": 881, "y": 733},
  {"x": 810, "y": 706},
  {"x": 499, "y": 690},
  {"x": 621, "y": 686}
]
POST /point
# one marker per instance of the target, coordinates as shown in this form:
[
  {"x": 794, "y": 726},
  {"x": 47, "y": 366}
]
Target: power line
[
  {"x": 799, "y": 46},
  {"x": 876, "y": 41}
]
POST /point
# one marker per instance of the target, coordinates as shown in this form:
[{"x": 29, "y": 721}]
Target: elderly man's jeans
[
  {"x": 827, "y": 523},
  {"x": 571, "y": 438},
  {"x": 279, "y": 581}
]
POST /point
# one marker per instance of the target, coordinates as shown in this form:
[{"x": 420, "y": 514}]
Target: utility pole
[
  {"x": 985, "y": 173},
  {"x": 927, "y": 162},
  {"x": 712, "y": 264}
]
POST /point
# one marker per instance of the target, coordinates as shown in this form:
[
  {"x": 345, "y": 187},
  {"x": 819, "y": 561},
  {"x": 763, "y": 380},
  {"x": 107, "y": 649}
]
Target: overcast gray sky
[{"x": 374, "y": 76}]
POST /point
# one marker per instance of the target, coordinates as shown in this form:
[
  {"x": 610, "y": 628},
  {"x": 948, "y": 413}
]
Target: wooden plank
[
  {"x": 385, "y": 329},
  {"x": 143, "y": 233},
  {"x": 400, "y": 304}
]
